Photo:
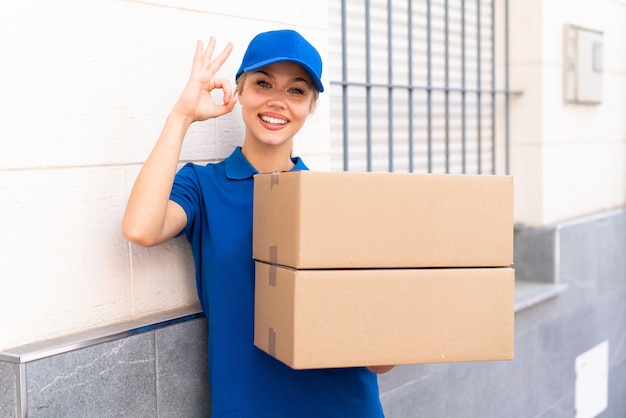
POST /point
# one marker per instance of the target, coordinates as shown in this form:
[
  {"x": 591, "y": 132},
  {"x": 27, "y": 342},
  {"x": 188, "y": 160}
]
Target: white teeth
[{"x": 273, "y": 121}]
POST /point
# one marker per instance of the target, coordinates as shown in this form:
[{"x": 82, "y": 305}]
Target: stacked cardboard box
[{"x": 363, "y": 269}]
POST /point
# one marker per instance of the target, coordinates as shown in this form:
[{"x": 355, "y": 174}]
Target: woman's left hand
[{"x": 380, "y": 369}]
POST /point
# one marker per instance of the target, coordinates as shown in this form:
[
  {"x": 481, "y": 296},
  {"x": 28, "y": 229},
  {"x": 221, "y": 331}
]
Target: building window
[{"x": 414, "y": 86}]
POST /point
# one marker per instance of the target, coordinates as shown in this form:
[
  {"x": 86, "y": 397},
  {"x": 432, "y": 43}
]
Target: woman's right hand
[
  {"x": 151, "y": 217},
  {"x": 195, "y": 102}
]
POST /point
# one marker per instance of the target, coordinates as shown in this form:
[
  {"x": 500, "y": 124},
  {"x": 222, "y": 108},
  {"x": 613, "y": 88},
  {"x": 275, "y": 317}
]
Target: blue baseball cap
[{"x": 279, "y": 46}]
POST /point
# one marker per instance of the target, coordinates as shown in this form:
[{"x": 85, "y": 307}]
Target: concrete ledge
[
  {"x": 151, "y": 366},
  {"x": 54, "y": 346},
  {"x": 529, "y": 293}
]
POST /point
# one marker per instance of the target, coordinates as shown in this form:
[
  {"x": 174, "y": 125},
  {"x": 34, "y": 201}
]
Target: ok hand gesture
[{"x": 195, "y": 102}]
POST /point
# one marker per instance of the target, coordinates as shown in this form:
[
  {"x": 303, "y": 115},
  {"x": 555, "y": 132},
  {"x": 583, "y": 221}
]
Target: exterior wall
[
  {"x": 86, "y": 87},
  {"x": 75, "y": 137},
  {"x": 569, "y": 160},
  {"x": 165, "y": 368},
  {"x": 158, "y": 373},
  {"x": 549, "y": 336}
]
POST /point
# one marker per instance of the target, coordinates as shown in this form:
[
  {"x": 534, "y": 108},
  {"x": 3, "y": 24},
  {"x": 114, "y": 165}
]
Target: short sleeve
[{"x": 186, "y": 192}]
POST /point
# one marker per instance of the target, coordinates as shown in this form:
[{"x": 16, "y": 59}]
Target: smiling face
[{"x": 275, "y": 101}]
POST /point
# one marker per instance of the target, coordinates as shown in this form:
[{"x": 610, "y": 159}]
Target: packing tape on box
[
  {"x": 271, "y": 346},
  {"x": 274, "y": 254},
  {"x": 273, "y": 263},
  {"x": 274, "y": 180},
  {"x": 273, "y": 269}
]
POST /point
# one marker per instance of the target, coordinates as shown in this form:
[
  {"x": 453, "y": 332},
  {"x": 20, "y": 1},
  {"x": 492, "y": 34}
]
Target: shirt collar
[{"x": 238, "y": 168}]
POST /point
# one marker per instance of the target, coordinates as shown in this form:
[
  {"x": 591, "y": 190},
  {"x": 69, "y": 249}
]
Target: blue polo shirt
[{"x": 245, "y": 381}]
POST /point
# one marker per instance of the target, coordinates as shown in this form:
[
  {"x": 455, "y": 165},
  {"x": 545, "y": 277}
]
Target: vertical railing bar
[
  {"x": 410, "y": 79},
  {"x": 344, "y": 79},
  {"x": 507, "y": 95},
  {"x": 479, "y": 86},
  {"x": 493, "y": 87},
  {"x": 368, "y": 76},
  {"x": 390, "y": 81},
  {"x": 463, "y": 93},
  {"x": 429, "y": 84},
  {"x": 447, "y": 84}
]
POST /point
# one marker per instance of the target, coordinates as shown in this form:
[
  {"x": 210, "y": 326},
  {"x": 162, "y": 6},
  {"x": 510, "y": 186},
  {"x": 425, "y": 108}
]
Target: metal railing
[{"x": 466, "y": 110}]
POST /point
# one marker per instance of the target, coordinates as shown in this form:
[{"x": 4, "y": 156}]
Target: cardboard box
[
  {"x": 310, "y": 220},
  {"x": 365, "y": 317}
]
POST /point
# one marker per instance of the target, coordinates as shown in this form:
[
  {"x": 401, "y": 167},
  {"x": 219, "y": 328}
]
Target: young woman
[{"x": 277, "y": 86}]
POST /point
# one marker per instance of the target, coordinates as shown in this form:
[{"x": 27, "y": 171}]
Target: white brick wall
[{"x": 85, "y": 88}]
